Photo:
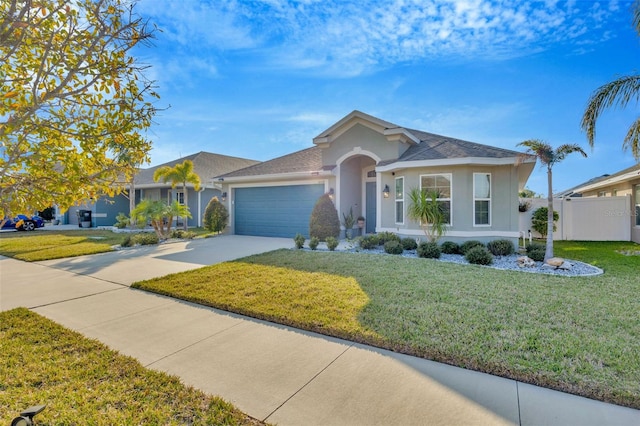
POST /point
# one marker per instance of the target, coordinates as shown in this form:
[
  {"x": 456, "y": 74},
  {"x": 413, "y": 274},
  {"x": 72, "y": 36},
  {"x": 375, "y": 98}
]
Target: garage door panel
[{"x": 275, "y": 211}]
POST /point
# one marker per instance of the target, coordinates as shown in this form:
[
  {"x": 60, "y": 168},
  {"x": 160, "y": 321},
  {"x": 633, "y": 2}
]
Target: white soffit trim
[
  {"x": 346, "y": 123},
  {"x": 448, "y": 162},
  {"x": 610, "y": 181},
  {"x": 279, "y": 176}
]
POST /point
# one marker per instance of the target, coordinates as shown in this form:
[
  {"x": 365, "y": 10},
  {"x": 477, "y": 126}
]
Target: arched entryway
[{"x": 357, "y": 188}]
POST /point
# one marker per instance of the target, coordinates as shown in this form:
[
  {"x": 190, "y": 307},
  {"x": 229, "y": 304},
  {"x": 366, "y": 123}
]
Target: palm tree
[
  {"x": 179, "y": 174},
  {"x": 425, "y": 209},
  {"x": 617, "y": 93},
  {"x": 549, "y": 157}
]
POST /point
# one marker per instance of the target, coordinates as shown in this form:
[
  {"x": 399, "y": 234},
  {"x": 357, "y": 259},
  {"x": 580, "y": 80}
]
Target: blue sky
[{"x": 261, "y": 78}]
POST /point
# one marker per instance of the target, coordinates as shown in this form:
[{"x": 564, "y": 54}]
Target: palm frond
[
  {"x": 636, "y": 16},
  {"x": 617, "y": 93},
  {"x": 562, "y": 151},
  {"x": 631, "y": 141}
]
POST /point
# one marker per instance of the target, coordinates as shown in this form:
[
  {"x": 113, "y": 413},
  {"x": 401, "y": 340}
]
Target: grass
[
  {"x": 579, "y": 335},
  {"x": 82, "y": 381},
  {"x": 46, "y": 245}
]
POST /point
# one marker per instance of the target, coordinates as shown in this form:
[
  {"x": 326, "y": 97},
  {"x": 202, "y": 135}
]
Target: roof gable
[{"x": 305, "y": 161}]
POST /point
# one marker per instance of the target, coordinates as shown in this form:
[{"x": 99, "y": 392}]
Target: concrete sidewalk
[{"x": 273, "y": 373}]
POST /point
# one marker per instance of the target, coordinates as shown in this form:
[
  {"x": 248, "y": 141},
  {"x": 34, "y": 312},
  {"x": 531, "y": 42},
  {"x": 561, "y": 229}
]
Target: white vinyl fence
[{"x": 586, "y": 219}]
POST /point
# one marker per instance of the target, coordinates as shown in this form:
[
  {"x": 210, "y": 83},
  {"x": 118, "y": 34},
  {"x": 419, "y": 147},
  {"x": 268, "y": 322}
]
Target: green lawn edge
[{"x": 83, "y": 381}]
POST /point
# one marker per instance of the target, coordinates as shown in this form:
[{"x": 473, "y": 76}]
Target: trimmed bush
[
  {"x": 324, "y": 220},
  {"x": 449, "y": 247},
  {"x": 313, "y": 243},
  {"x": 122, "y": 221},
  {"x": 479, "y": 255},
  {"x": 429, "y": 250},
  {"x": 127, "y": 242},
  {"x": 501, "y": 247},
  {"x": 393, "y": 247},
  {"x": 409, "y": 244},
  {"x": 536, "y": 251},
  {"x": 369, "y": 242},
  {"x": 215, "y": 216},
  {"x": 539, "y": 220},
  {"x": 182, "y": 234},
  {"x": 468, "y": 245},
  {"x": 385, "y": 236},
  {"x": 332, "y": 243},
  {"x": 145, "y": 239},
  {"x": 299, "y": 240}
]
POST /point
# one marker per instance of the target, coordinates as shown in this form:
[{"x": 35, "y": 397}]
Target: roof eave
[
  {"x": 277, "y": 176},
  {"x": 462, "y": 161}
]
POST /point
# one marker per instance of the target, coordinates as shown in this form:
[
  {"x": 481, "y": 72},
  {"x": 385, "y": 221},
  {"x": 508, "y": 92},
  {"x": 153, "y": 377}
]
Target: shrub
[
  {"x": 468, "y": 245},
  {"x": 324, "y": 220},
  {"x": 449, "y": 247},
  {"x": 479, "y": 255},
  {"x": 332, "y": 243},
  {"x": 385, "y": 236},
  {"x": 409, "y": 243},
  {"x": 313, "y": 243},
  {"x": 369, "y": 242},
  {"x": 429, "y": 250},
  {"x": 127, "y": 242},
  {"x": 536, "y": 251},
  {"x": 393, "y": 247},
  {"x": 145, "y": 239},
  {"x": 501, "y": 247},
  {"x": 539, "y": 220},
  {"x": 122, "y": 221},
  {"x": 182, "y": 234},
  {"x": 299, "y": 240},
  {"x": 215, "y": 216}
]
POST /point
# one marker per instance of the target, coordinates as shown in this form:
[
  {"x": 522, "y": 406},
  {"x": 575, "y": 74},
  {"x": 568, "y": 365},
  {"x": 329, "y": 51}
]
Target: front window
[
  {"x": 441, "y": 184},
  {"x": 637, "y": 205},
  {"x": 482, "y": 199},
  {"x": 399, "y": 200},
  {"x": 180, "y": 197}
]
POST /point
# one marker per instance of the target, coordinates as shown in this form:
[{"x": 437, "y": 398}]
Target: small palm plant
[{"x": 425, "y": 209}]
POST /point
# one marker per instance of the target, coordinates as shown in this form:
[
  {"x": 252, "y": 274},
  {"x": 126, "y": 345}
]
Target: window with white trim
[
  {"x": 637, "y": 205},
  {"x": 441, "y": 184},
  {"x": 482, "y": 199},
  {"x": 399, "y": 200},
  {"x": 180, "y": 197}
]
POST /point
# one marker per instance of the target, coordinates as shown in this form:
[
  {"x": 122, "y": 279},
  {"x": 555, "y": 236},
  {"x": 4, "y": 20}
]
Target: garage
[{"x": 275, "y": 211}]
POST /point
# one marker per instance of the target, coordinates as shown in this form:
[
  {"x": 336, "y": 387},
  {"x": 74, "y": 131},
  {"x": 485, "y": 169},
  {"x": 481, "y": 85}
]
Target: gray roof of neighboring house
[
  {"x": 307, "y": 160},
  {"x": 205, "y": 164},
  {"x": 575, "y": 191}
]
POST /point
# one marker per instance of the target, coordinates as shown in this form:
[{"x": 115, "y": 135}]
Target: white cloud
[{"x": 347, "y": 38}]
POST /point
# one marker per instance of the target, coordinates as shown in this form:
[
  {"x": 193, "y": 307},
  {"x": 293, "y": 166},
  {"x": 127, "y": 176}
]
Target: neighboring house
[
  {"x": 611, "y": 201},
  {"x": 369, "y": 165},
  {"x": 205, "y": 164}
]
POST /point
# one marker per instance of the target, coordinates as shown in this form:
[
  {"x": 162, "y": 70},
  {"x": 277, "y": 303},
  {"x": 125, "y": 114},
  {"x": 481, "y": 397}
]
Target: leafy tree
[
  {"x": 179, "y": 174},
  {"x": 549, "y": 157},
  {"x": 160, "y": 215},
  {"x": 617, "y": 93},
  {"x": 74, "y": 103},
  {"x": 528, "y": 193},
  {"x": 324, "y": 221},
  {"x": 215, "y": 216},
  {"x": 539, "y": 221},
  {"x": 425, "y": 209}
]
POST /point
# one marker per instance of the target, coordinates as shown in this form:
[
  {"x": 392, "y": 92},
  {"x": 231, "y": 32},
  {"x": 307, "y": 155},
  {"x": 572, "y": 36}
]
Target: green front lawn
[
  {"x": 44, "y": 245},
  {"x": 580, "y": 335},
  {"x": 84, "y": 382}
]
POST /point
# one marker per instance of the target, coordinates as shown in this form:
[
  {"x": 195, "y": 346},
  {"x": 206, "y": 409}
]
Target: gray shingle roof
[
  {"x": 307, "y": 160},
  {"x": 205, "y": 164},
  {"x": 437, "y": 147}
]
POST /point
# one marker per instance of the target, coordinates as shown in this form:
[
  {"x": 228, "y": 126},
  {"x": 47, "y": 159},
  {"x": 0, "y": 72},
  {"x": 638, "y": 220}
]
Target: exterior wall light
[
  {"x": 224, "y": 197},
  {"x": 385, "y": 191},
  {"x": 331, "y": 193}
]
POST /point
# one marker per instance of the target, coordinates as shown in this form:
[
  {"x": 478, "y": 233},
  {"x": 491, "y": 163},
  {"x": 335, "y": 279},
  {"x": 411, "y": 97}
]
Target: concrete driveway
[
  {"x": 140, "y": 263},
  {"x": 273, "y": 373}
]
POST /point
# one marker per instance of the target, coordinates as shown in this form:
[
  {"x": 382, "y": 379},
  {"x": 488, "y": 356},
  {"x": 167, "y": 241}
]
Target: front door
[{"x": 370, "y": 207}]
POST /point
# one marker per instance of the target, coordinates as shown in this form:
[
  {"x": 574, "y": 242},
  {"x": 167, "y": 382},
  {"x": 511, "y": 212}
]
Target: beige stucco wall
[
  {"x": 504, "y": 202},
  {"x": 361, "y": 138}
]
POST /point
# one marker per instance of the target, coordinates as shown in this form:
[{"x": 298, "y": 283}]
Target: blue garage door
[{"x": 275, "y": 211}]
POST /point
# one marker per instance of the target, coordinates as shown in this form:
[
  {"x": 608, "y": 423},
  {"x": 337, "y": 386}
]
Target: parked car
[{"x": 23, "y": 222}]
